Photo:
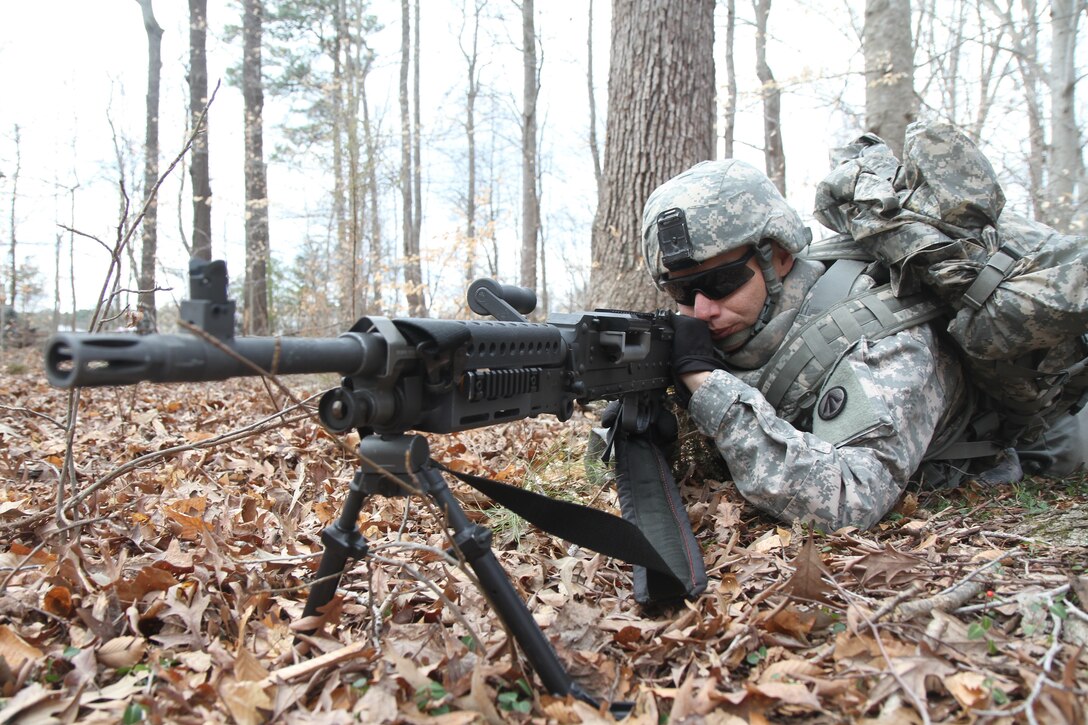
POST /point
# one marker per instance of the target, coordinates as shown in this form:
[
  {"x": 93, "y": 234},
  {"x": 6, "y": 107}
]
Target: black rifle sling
[
  {"x": 668, "y": 564},
  {"x": 650, "y": 499}
]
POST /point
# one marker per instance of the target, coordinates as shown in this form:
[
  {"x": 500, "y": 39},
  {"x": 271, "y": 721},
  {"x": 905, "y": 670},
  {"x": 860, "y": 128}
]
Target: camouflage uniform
[
  {"x": 795, "y": 466},
  {"x": 906, "y": 388},
  {"x": 900, "y": 395}
]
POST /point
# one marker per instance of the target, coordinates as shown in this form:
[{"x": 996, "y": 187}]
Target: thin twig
[{"x": 41, "y": 545}]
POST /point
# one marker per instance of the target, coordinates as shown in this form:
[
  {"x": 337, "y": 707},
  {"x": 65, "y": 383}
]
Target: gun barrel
[{"x": 75, "y": 359}]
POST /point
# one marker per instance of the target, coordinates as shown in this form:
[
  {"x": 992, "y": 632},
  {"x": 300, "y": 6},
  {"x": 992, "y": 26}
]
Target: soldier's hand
[
  {"x": 693, "y": 355},
  {"x": 693, "y": 349}
]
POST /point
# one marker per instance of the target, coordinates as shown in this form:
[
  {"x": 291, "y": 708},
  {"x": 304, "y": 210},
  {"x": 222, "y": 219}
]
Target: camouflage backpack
[{"x": 1014, "y": 292}]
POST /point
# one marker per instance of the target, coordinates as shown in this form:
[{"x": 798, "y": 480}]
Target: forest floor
[{"x": 171, "y": 587}]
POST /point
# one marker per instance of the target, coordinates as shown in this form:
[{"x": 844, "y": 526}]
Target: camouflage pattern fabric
[
  {"x": 936, "y": 221},
  {"x": 913, "y": 388},
  {"x": 914, "y": 393},
  {"x": 729, "y": 204}
]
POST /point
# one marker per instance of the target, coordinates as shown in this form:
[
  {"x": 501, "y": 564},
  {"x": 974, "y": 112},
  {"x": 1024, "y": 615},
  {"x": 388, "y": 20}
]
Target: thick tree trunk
[
  {"x": 417, "y": 166},
  {"x": 890, "y": 101},
  {"x": 340, "y": 273},
  {"x": 661, "y": 112},
  {"x": 257, "y": 243},
  {"x": 198, "y": 101},
  {"x": 8, "y": 300},
  {"x": 377, "y": 265},
  {"x": 145, "y": 299}
]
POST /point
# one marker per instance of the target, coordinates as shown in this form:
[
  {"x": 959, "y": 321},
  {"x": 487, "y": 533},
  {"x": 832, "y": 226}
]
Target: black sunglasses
[{"x": 714, "y": 284}]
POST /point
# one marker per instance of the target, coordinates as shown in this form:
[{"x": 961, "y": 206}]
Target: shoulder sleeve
[{"x": 851, "y": 468}]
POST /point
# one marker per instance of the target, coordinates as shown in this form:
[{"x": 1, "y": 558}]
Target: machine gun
[{"x": 426, "y": 376}]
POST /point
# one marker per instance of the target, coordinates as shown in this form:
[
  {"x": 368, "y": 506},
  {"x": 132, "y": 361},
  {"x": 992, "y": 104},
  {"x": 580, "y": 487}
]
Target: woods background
[{"x": 373, "y": 157}]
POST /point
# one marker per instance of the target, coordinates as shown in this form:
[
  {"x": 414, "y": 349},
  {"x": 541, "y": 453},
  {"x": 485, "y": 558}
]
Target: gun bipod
[{"x": 399, "y": 465}]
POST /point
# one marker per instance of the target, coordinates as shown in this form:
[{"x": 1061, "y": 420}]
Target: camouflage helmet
[{"x": 728, "y": 204}]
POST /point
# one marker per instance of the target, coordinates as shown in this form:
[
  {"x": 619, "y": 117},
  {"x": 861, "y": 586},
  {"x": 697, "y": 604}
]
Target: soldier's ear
[{"x": 782, "y": 259}]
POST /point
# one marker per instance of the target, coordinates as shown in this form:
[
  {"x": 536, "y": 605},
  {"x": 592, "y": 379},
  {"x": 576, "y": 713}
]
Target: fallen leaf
[
  {"x": 889, "y": 564},
  {"x": 245, "y": 700},
  {"x": 121, "y": 652},
  {"x": 14, "y": 650},
  {"x": 790, "y": 693},
  {"x": 58, "y": 601},
  {"x": 807, "y": 582},
  {"x": 914, "y": 673}
]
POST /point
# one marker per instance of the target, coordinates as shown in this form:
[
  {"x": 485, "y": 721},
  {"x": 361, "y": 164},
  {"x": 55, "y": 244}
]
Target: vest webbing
[{"x": 873, "y": 314}]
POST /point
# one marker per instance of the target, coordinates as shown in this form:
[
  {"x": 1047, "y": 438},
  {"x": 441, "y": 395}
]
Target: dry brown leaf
[
  {"x": 914, "y": 673},
  {"x": 121, "y": 652},
  {"x": 247, "y": 667},
  {"x": 888, "y": 564},
  {"x": 970, "y": 689},
  {"x": 790, "y": 693},
  {"x": 58, "y": 601},
  {"x": 789, "y": 669},
  {"x": 14, "y": 650},
  {"x": 807, "y": 582},
  {"x": 174, "y": 559},
  {"x": 245, "y": 700}
]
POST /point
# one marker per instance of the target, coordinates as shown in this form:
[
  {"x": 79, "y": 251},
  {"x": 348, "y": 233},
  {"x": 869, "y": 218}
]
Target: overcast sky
[{"x": 71, "y": 67}]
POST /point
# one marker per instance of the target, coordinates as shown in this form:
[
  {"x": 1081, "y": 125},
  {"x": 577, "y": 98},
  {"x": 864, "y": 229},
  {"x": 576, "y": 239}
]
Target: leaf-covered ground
[{"x": 171, "y": 586}]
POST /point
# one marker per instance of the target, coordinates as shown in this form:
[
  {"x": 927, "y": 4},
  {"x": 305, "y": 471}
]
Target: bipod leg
[
  {"x": 474, "y": 543},
  {"x": 399, "y": 465},
  {"x": 383, "y": 472},
  {"x": 343, "y": 541}
]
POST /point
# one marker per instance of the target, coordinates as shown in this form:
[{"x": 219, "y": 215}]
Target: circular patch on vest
[{"x": 832, "y": 403}]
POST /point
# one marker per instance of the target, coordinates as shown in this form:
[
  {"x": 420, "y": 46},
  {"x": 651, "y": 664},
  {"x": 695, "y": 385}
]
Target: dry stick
[
  {"x": 418, "y": 576},
  {"x": 115, "y": 262},
  {"x": 259, "y": 427},
  {"x": 270, "y": 375},
  {"x": 41, "y": 545},
  {"x": 32, "y": 413},
  {"x": 951, "y": 597},
  {"x": 1002, "y": 602},
  {"x": 918, "y": 704},
  {"x": 302, "y": 669}
]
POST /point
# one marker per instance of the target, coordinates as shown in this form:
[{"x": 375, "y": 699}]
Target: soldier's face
[{"x": 739, "y": 310}]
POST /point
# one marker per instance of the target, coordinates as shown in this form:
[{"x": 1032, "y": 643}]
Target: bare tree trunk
[
  {"x": 730, "y": 113},
  {"x": 257, "y": 243},
  {"x": 661, "y": 110},
  {"x": 13, "y": 276},
  {"x": 773, "y": 152},
  {"x": 352, "y": 256},
  {"x": 7, "y": 297},
  {"x": 1066, "y": 166},
  {"x": 149, "y": 237},
  {"x": 890, "y": 102},
  {"x": 198, "y": 99},
  {"x": 530, "y": 201},
  {"x": 55, "y": 323},
  {"x": 342, "y": 273},
  {"x": 593, "y": 148},
  {"x": 413, "y": 273},
  {"x": 375, "y": 277},
  {"x": 417, "y": 166},
  {"x": 72, "y": 248},
  {"x": 471, "y": 92}
]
